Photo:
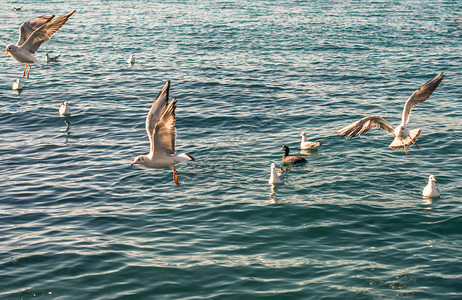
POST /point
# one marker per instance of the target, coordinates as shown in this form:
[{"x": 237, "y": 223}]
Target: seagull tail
[
  {"x": 184, "y": 157},
  {"x": 413, "y": 136},
  {"x": 37, "y": 62}
]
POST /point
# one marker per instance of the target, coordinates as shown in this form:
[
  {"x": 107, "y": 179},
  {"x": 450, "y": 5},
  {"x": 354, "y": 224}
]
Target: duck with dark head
[{"x": 291, "y": 159}]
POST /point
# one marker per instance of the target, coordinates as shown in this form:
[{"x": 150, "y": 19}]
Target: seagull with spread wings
[
  {"x": 32, "y": 34},
  {"x": 403, "y": 135},
  {"x": 160, "y": 127}
]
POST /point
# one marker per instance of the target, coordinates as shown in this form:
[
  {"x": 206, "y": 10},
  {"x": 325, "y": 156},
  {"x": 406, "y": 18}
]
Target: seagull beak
[
  {"x": 6, "y": 52},
  {"x": 132, "y": 163}
]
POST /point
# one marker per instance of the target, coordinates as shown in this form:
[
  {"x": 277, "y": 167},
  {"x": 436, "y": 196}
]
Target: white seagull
[
  {"x": 52, "y": 58},
  {"x": 306, "y": 145},
  {"x": 160, "y": 127},
  {"x": 276, "y": 176},
  {"x": 403, "y": 136},
  {"x": 131, "y": 59},
  {"x": 431, "y": 190},
  {"x": 17, "y": 85},
  {"x": 32, "y": 34},
  {"x": 64, "y": 109}
]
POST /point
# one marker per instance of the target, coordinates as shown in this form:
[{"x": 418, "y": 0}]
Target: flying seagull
[
  {"x": 32, "y": 34},
  {"x": 403, "y": 135},
  {"x": 160, "y": 127}
]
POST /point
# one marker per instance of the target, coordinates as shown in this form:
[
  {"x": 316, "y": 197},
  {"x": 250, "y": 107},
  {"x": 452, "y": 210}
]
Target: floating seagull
[
  {"x": 52, "y": 58},
  {"x": 131, "y": 59},
  {"x": 305, "y": 145},
  {"x": 160, "y": 127},
  {"x": 32, "y": 34},
  {"x": 17, "y": 8},
  {"x": 17, "y": 85},
  {"x": 291, "y": 159},
  {"x": 431, "y": 190},
  {"x": 64, "y": 109},
  {"x": 403, "y": 136},
  {"x": 276, "y": 176}
]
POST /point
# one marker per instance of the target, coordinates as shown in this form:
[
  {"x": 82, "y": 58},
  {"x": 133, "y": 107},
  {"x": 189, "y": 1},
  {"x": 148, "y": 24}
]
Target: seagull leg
[
  {"x": 30, "y": 66},
  {"x": 24, "y": 72},
  {"x": 414, "y": 142},
  {"x": 175, "y": 176},
  {"x": 404, "y": 145}
]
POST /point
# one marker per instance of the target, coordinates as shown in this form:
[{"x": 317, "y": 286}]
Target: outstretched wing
[
  {"x": 164, "y": 134},
  {"x": 364, "y": 125},
  {"x": 28, "y": 27},
  {"x": 157, "y": 109},
  {"x": 44, "y": 33},
  {"x": 422, "y": 94}
]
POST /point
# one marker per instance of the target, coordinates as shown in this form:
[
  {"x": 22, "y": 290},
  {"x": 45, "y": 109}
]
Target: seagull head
[
  {"x": 302, "y": 134},
  {"x": 140, "y": 159},
  {"x": 431, "y": 178},
  {"x": 401, "y": 131},
  {"x": 273, "y": 166},
  {"x": 8, "y": 49}
]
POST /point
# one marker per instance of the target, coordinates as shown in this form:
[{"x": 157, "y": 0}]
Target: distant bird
[
  {"x": 64, "y": 109},
  {"x": 17, "y": 8},
  {"x": 131, "y": 59},
  {"x": 67, "y": 125},
  {"x": 32, "y": 34},
  {"x": 17, "y": 85},
  {"x": 160, "y": 127},
  {"x": 291, "y": 159},
  {"x": 431, "y": 190},
  {"x": 305, "y": 145},
  {"x": 403, "y": 136},
  {"x": 52, "y": 58},
  {"x": 276, "y": 176}
]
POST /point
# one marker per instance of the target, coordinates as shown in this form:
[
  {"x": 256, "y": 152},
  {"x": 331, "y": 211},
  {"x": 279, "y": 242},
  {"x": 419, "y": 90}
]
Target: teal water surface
[{"x": 78, "y": 222}]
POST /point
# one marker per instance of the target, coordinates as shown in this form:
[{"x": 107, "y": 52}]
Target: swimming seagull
[
  {"x": 52, "y": 58},
  {"x": 305, "y": 145},
  {"x": 32, "y": 34},
  {"x": 276, "y": 176},
  {"x": 431, "y": 190},
  {"x": 160, "y": 127},
  {"x": 403, "y": 136},
  {"x": 131, "y": 59},
  {"x": 64, "y": 109},
  {"x": 291, "y": 159},
  {"x": 17, "y": 85}
]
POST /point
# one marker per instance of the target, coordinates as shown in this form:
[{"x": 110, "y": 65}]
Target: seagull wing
[
  {"x": 157, "y": 109},
  {"x": 164, "y": 134},
  {"x": 44, "y": 33},
  {"x": 364, "y": 125},
  {"x": 422, "y": 94},
  {"x": 28, "y": 27}
]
